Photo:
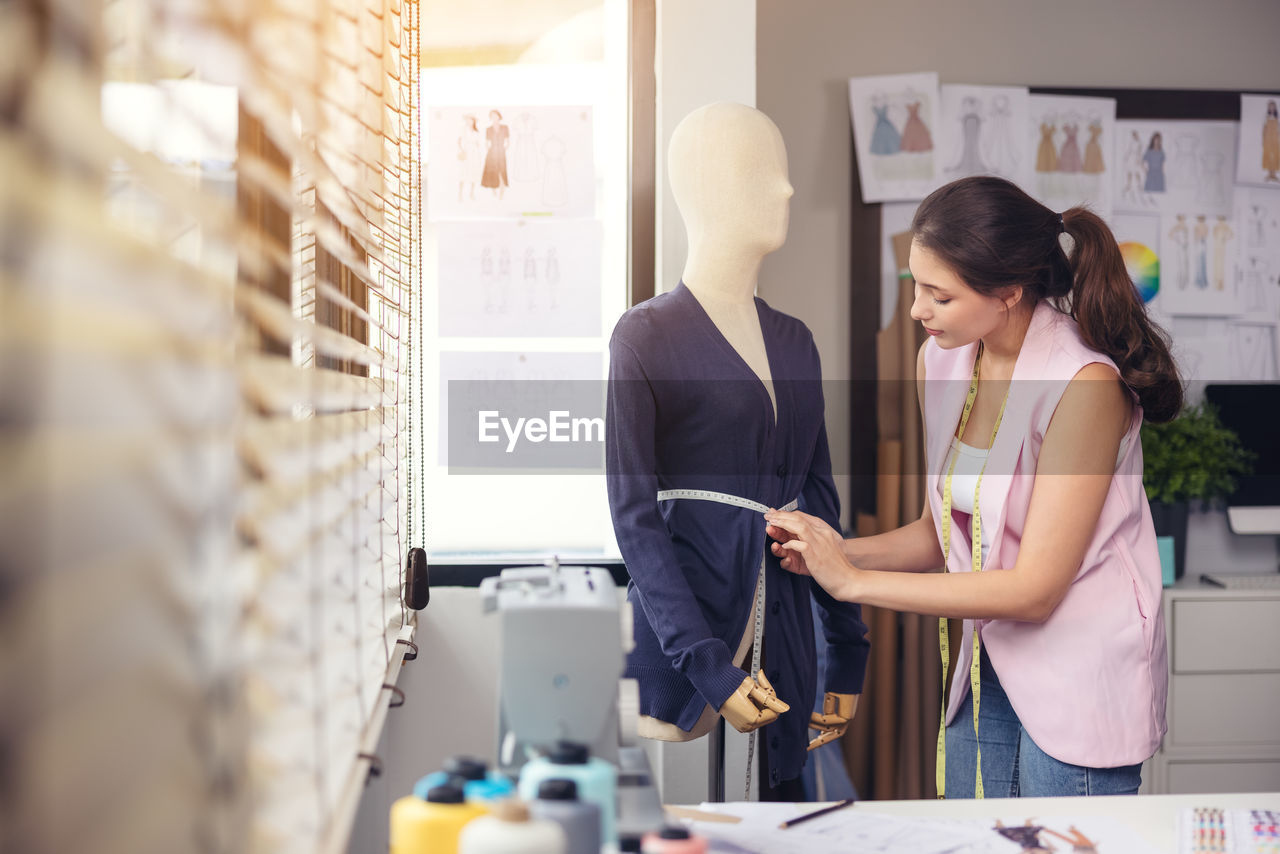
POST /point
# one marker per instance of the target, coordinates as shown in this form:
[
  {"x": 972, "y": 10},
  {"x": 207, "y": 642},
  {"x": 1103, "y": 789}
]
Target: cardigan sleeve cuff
[
  {"x": 846, "y": 668},
  {"x": 709, "y": 667}
]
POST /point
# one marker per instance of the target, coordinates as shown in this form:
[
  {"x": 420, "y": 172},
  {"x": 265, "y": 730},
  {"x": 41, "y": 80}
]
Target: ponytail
[
  {"x": 996, "y": 237},
  {"x": 1113, "y": 319}
]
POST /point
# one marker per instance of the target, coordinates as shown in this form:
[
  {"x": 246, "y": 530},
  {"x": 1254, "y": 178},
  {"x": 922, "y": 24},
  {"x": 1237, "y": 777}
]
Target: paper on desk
[{"x": 860, "y": 829}]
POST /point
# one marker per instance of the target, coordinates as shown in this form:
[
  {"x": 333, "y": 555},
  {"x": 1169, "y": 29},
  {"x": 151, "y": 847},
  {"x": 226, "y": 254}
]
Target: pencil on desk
[{"x": 815, "y": 813}]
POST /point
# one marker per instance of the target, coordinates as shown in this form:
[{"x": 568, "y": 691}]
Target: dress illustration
[
  {"x": 495, "y": 159},
  {"x": 1069, "y": 157},
  {"x": 1271, "y": 142},
  {"x": 470, "y": 164},
  {"x": 1093, "y": 162},
  {"x": 1001, "y": 154},
  {"x": 971, "y": 128},
  {"x": 1181, "y": 237},
  {"x": 915, "y": 135},
  {"x": 1213, "y": 185},
  {"x": 1201, "y": 234},
  {"x": 1133, "y": 167},
  {"x": 1182, "y": 173},
  {"x": 1221, "y": 234},
  {"x": 1046, "y": 154},
  {"x": 1154, "y": 161},
  {"x": 884, "y": 138},
  {"x": 524, "y": 151}
]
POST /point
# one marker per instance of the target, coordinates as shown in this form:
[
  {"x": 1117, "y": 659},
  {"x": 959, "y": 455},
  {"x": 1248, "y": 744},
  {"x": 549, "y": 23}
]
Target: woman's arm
[
  {"x": 1073, "y": 474},
  {"x": 914, "y": 547}
]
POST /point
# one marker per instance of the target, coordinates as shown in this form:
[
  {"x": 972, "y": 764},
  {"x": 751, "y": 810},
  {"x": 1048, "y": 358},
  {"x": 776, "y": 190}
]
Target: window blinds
[{"x": 204, "y": 320}]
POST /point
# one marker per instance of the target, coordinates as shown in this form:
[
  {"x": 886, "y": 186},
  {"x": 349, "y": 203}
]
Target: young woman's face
[{"x": 950, "y": 311}]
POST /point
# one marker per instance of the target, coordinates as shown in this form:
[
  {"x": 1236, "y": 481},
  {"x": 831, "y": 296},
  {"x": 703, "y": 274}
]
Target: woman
[
  {"x": 497, "y": 137},
  {"x": 1154, "y": 162},
  {"x": 469, "y": 164},
  {"x": 1040, "y": 370}
]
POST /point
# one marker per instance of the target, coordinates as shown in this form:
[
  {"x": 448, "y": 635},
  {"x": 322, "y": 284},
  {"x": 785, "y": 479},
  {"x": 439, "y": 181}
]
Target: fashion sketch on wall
[
  {"x": 1200, "y": 272},
  {"x": 1073, "y": 140},
  {"x": 1169, "y": 166},
  {"x": 894, "y": 130},
  {"x": 1259, "y": 153},
  {"x": 499, "y": 161},
  {"x": 1258, "y": 261},
  {"x": 519, "y": 278},
  {"x": 1141, "y": 248},
  {"x": 980, "y": 133}
]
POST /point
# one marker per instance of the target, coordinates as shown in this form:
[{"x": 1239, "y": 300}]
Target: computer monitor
[{"x": 1252, "y": 410}]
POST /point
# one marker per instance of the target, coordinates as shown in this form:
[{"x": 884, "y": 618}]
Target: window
[{"x": 525, "y": 272}]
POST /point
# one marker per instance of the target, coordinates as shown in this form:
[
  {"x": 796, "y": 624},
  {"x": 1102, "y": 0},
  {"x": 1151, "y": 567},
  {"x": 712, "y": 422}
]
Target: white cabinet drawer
[
  {"x": 1225, "y": 635},
  {"x": 1193, "y": 778},
  {"x": 1227, "y": 709}
]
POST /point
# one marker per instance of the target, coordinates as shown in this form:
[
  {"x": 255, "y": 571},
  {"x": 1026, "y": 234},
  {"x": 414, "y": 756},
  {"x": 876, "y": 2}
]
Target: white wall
[
  {"x": 807, "y": 49},
  {"x": 706, "y": 51}
]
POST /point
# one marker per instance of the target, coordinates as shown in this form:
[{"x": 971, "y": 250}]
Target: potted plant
[{"x": 1191, "y": 458}]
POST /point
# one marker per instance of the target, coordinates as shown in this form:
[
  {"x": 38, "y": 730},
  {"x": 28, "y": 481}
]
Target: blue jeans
[{"x": 1012, "y": 765}]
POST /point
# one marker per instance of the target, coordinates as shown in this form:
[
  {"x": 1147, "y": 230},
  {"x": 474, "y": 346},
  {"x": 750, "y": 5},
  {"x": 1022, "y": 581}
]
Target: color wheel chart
[{"x": 1144, "y": 268}]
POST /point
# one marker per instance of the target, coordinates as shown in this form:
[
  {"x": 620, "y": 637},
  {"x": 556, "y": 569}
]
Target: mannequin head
[{"x": 728, "y": 170}]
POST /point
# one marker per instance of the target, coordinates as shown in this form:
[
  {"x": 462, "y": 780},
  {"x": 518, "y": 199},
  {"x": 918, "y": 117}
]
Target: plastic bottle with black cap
[{"x": 558, "y": 801}]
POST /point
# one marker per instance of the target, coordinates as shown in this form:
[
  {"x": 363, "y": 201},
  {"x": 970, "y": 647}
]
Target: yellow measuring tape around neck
[{"x": 944, "y": 645}]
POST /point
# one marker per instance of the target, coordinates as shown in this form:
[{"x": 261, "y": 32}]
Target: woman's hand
[
  {"x": 791, "y": 561},
  {"x": 814, "y": 548}
]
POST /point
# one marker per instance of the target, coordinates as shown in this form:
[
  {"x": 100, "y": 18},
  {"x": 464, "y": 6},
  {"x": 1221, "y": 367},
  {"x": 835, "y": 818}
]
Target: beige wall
[{"x": 806, "y": 50}]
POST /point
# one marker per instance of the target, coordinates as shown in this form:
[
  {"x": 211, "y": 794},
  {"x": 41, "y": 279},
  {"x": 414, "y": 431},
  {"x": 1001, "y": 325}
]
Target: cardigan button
[
  {"x": 774, "y": 609},
  {"x": 782, "y": 471},
  {"x": 773, "y": 742}
]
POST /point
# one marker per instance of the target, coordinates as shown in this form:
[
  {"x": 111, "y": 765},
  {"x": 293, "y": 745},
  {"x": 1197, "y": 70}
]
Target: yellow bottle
[{"x": 431, "y": 826}]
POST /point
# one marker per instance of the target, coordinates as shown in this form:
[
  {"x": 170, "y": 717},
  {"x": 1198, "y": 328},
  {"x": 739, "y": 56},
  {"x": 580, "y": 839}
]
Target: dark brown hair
[{"x": 996, "y": 237}]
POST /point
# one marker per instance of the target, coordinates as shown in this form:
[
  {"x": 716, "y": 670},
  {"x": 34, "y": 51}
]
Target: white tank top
[{"x": 964, "y": 481}]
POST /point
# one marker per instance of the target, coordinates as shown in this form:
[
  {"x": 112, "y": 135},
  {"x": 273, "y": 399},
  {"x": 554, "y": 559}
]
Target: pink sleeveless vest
[{"x": 1089, "y": 683}]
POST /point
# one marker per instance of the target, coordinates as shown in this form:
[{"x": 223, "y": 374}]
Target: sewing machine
[{"x": 564, "y": 635}]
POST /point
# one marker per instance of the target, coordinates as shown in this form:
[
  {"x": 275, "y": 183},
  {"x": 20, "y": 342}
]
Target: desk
[{"x": 1154, "y": 817}]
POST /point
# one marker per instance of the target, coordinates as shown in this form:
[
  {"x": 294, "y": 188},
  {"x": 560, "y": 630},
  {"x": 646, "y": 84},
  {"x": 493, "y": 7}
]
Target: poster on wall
[
  {"x": 1073, "y": 144},
  {"x": 980, "y": 133},
  {"x": 1139, "y": 239},
  {"x": 1199, "y": 271},
  {"x": 894, "y": 122},
  {"x": 520, "y": 278},
  {"x": 1259, "y": 153},
  {"x": 489, "y": 399},
  {"x": 1169, "y": 166},
  {"x": 499, "y": 161},
  {"x": 1258, "y": 261}
]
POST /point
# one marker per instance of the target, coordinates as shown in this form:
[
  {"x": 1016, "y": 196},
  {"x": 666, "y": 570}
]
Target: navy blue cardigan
[{"x": 685, "y": 411}]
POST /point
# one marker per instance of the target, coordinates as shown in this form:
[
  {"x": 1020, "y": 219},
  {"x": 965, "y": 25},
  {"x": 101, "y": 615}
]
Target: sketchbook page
[
  {"x": 894, "y": 120},
  {"x": 1258, "y": 162},
  {"x": 496, "y": 160},
  {"x": 980, "y": 133},
  {"x": 1073, "y": 149},
  {"x": 519, "y": 278},
  {"x": 839, "y": 832},
  {"x": 1169, "y": 166}
]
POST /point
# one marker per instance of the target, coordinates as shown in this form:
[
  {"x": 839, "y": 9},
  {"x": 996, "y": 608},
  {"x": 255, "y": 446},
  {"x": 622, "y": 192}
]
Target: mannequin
[{"x": 710, "y": 389}]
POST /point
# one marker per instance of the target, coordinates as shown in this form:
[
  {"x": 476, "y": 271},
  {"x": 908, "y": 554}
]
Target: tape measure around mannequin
[
  {"x": 758, "y": 606},
  {"x": 944, "y": 644}
]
